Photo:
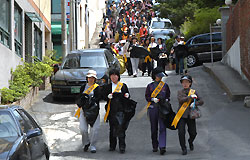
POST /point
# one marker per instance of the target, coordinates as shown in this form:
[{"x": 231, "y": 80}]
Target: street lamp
[
  {"x": 218, "y": 22},
  {"x": 228, "y": 2}
]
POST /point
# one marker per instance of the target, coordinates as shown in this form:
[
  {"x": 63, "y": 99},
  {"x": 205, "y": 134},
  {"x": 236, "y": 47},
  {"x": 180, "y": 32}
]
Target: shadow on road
[{"x": 65, "y": 100}]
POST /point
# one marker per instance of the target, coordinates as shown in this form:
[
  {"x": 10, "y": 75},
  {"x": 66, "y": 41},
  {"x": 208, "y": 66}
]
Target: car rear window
[
  {"x": 161, "y": 25},
  {"x": 85, "y": 61},
  {"x": 7, "y": 125}
]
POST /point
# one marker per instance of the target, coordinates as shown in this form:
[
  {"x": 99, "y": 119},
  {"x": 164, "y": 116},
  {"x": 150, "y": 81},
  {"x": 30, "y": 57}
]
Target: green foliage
[
  {"x": 169, "y": 44},
  {"x": 26, "y": 76},
  {"x": 200, "y": 23},
  {"x": 7, "y": 95},
  {"x": 179, "y": 11}
]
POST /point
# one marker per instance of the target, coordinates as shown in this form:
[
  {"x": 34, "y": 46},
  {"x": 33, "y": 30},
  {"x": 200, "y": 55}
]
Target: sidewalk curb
[{"x": 234, "y": 96}]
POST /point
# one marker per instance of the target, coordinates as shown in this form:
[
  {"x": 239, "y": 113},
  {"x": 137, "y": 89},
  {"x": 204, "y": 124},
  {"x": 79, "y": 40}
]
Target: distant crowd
[{"x": 125, "y": 26}]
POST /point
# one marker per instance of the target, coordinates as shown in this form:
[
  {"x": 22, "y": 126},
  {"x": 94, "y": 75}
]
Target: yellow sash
[
  {"x": 156, "y": 92},
  {"x": 182, "y": 109},
  {"x": 117, "y": 89},
  {"x": 88, "y": 91},
  {"x": 153, "y": 95}
]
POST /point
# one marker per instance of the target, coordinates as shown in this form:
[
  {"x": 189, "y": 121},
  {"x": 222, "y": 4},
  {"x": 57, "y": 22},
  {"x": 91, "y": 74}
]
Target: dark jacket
[
  {"x": 180, "y": 51},
  {"x": 122, "y": 109},
  {"x": 164, "y": 93},
  {"x": 116, "y": 104},
  {"x": 183, "y": 97},
  {"x": 89, "y": 104}
]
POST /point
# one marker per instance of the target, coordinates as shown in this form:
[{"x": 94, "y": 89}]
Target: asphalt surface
[{"x": 223, "y": 130}]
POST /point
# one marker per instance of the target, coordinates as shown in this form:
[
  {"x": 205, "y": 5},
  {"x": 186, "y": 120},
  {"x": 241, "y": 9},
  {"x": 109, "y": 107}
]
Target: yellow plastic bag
[
  {"x": 122, "y": 63},
  {"x": 116, "y": 37}
]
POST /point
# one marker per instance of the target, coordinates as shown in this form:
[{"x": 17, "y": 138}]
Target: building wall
[
  {"x": 96, "y": 9},
  {"x": 232, "y": 58},
  {"x": 45, "y": 8},
  {"x": 9, "y": 59},
  {"x": 238, "y": 25}
]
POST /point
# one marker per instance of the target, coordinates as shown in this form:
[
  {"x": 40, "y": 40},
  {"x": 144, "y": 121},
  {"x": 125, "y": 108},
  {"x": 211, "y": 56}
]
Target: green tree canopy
[
  {"x": 200, "y": 23},
  {"x": 178, "y": 11}
]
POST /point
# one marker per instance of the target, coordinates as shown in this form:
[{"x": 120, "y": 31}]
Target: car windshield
[
  {"x": 161, "y": 25},
  {"x": 85, "y": 61},
  {"x": 7, "y": 125},
  {"x": 162, "y": 36}
]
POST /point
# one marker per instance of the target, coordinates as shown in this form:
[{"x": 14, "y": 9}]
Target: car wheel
[{"x": 192, "y": 60}]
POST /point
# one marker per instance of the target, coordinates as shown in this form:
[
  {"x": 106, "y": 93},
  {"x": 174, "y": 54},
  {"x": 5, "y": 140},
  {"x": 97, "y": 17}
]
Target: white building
[{"x": 25, "y": 28}]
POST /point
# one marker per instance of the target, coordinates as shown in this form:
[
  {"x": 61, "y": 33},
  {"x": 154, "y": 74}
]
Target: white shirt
[{"x": 114, "y": 86}]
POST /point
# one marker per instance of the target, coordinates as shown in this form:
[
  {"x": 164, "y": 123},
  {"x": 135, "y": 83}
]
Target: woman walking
[
  {"x": 134, "y": 58},
  {"x": 88, "y": 103},
  {"x": 186, "y": 98},
  {"x": 156, "y": 91},
  {"x": 116, "y": 93}
]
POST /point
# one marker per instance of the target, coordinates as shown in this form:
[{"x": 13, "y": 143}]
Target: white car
[{"x": 163, "y": 25}]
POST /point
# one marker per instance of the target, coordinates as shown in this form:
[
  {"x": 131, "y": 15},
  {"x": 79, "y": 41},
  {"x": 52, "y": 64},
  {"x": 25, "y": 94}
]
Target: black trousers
[
  {"x": 182, "y": 131},
  {"x": 114, "y": 133},
  {"x": 148, "y": 66},
  {"x": 129, "y": 66}
]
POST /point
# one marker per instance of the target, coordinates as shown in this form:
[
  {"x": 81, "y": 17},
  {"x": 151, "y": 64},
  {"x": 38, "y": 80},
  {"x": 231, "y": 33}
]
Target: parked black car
[
  {"x": 21, "y": 138},
  {"x": 71, "y": 75},
  {"x": 199, "y": 48}
]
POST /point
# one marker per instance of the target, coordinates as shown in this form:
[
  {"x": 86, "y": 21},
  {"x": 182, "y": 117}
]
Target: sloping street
[{"x": 223, "y": 131}]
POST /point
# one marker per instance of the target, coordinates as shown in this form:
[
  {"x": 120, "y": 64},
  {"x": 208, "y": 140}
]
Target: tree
[
  {"x": 200, "y": 23},
  {"x": 179, "y": 11}
]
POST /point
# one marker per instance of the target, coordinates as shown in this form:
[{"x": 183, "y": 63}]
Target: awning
[
  {"x": 34, "y": 16},
  {"x": 57, "y": 29}
]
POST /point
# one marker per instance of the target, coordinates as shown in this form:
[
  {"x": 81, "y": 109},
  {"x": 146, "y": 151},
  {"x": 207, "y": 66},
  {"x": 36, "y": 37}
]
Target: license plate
[{"x": 75, "y": 89}]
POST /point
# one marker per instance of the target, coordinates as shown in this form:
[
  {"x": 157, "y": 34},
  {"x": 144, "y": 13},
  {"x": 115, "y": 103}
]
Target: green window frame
[
  {"x": 38, "y": 43},
  {"x": 18, "y": 29},
  {"x": 5, "y": 23}
]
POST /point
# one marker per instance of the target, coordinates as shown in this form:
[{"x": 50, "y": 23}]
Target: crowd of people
[{"x": 127, "y": 25}]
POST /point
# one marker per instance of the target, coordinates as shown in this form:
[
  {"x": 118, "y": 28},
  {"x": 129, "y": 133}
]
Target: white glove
[
  {"x": 191, "y": 105},
  {"x": 156, "y": 100},
  {"x": 110, "y": 96},
  {"x": 126, "y": 95},
  {"x": 193, "y": 96}
]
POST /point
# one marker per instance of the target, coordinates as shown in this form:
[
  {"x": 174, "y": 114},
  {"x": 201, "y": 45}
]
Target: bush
[
  {"x": 25, "y": 76},
  {"x": 169, "y": 44},
  {"x": 200, "y": 23}
]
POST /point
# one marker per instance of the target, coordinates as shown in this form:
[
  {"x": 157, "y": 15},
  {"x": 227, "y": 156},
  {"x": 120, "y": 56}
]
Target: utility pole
[
  {"x": 71, "y": 25},
  {"x": 64, "y": 31}
]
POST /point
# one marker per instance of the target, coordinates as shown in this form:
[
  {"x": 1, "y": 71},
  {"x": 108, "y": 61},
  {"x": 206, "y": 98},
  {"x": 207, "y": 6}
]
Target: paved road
[{"x": 223, "y": 130}]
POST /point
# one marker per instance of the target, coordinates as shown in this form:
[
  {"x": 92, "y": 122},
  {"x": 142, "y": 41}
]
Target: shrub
[{"x": 26, "y": 76}]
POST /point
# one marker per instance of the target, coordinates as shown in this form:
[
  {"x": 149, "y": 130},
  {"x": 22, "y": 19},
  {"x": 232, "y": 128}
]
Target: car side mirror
[{"x": 33, "y": 133}]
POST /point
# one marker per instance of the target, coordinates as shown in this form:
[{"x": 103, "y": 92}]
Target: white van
[{"x": 163, "y": 25}]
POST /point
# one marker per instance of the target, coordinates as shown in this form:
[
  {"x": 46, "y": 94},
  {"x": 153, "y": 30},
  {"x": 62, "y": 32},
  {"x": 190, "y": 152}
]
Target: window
[
  {"x": 38, "y": 43},
  {"x": 18, "y": 30},
  {"x": 85, "y": 61},
  {"x": 55, "y": 6},
  {"x": 5, "y": 22},
  {"x": 24, "y": 121},
  {"x": 161, "y": 25},
  {"x": 7, "y": 125},
  {"x": 217, "y": 37},
  {"x": 201, "y": 39},
  {"x": 81, "y": 16}
]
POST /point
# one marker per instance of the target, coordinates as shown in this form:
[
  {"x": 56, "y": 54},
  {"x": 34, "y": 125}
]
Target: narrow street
[{"x": 222, "y": 129}]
